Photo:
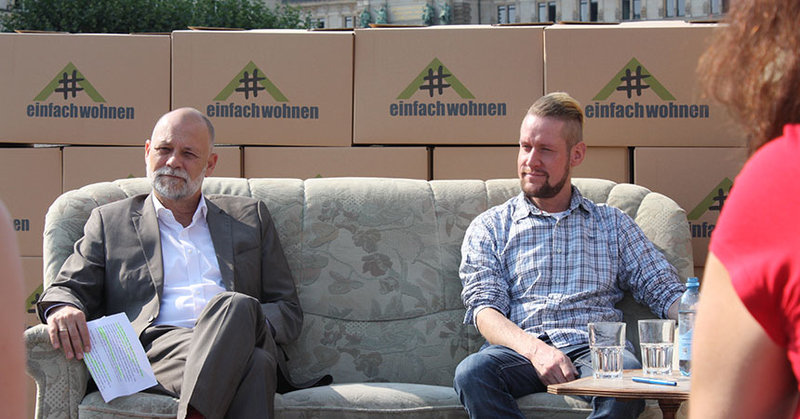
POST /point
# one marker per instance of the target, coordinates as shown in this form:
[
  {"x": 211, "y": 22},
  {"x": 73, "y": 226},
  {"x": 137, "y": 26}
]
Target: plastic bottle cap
[{"x": 693, "y": 282}]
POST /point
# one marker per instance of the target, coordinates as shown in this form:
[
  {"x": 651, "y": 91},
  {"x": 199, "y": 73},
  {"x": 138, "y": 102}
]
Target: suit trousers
[{"x": 224, "y": 367}]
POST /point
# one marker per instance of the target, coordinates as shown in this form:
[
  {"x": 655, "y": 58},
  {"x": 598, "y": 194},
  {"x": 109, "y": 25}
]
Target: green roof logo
[
  {"x": 713, "y": 201},
  {"x": 633, "y": 78},
  {"x": 33, "y": 298},
  {"x": 69, "y": 81},
  {"x": 249, "y": 82},
  {"x": 434, "y": 78}
]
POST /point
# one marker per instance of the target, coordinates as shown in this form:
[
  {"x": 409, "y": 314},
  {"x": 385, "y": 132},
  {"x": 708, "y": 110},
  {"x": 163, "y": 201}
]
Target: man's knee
[
  {"x": 468, "y": 367},
  {"x": 235, "y": 303},
  {"x": 463, "y": 373},
  {"x": 475, "y": 365},
  {"x": 233, "y": 298}
]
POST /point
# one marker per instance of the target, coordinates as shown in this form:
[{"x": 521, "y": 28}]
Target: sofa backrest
[{"x": 376, "y": 261}]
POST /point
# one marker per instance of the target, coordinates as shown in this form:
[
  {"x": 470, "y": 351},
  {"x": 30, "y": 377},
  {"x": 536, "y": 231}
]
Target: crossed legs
[{"x": 225, "y": 367}]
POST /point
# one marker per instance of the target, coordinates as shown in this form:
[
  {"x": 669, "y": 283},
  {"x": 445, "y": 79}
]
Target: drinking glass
[
  {"x": 606, "y": 342},
  {"x": 657, "y": 340}
]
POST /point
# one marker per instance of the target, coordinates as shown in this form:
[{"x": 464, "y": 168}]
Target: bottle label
[{"x": 685, "y": 346}]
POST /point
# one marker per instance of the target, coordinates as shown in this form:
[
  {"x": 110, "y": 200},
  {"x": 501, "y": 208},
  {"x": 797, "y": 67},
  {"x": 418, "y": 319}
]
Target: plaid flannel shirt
[{"x": 551, "y": 277}]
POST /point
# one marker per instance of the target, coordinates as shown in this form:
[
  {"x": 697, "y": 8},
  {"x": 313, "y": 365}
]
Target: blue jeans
[{"x": 489, "y": 382}]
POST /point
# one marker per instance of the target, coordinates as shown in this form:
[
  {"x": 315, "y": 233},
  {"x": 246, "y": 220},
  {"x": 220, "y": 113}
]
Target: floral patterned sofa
[{"x": 376, "y": 266}]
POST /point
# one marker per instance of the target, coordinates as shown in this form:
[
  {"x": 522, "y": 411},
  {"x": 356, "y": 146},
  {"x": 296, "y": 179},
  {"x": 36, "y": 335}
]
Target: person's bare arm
[
  {"x": 551, "y": 364},
  {"x": 672, "y": 313},
  {"x": 737, "y": 370}
]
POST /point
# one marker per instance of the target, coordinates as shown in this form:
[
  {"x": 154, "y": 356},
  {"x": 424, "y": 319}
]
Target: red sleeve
[{"x": 757, "y": 237}]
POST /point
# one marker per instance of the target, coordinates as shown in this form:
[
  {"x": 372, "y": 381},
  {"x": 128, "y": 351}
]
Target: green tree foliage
[{"x": 128, "y": 16}]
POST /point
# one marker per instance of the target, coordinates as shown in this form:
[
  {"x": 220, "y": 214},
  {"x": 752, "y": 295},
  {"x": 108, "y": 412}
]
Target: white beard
[{"x": 174, "y": 189}]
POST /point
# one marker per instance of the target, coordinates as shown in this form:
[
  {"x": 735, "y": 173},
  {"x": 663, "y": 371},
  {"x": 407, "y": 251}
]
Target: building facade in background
[
  {"x": 5, "y": 5},
  {"x": 360, "y": 13}
]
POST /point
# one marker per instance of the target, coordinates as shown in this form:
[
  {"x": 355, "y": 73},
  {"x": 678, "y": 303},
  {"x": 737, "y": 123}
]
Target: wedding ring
[{"x": 62, "y": 329}]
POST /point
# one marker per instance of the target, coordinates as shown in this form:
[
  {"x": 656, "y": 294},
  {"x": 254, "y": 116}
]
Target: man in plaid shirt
[{"x": 538, "y": 268}]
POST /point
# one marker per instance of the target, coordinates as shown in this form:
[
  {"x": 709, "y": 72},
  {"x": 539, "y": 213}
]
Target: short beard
[
  {"x": 170, "y": 188},
  {"x": 546, "y": 190}
]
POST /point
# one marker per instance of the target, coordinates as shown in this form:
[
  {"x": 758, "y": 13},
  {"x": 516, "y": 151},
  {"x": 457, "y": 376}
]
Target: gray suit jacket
[{"x": 117, "y": 265}]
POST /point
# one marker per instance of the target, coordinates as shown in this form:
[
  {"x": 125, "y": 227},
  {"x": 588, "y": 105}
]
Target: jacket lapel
[
  {"x": 146, "y": 224},
  {"x": 219, "y": 224}
]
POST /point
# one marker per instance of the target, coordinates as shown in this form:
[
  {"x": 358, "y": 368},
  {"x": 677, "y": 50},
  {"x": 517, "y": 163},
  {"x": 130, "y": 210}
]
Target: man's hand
[
  {"x": 551, "y": 364},
  {"x": 67, "y": 328}
]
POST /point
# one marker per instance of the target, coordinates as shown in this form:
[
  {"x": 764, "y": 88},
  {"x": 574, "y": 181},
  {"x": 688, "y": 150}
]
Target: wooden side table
[{"x": 669, "y": 397}]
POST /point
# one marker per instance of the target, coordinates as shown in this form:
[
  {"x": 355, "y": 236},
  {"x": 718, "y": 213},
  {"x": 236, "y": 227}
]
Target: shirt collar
[
  {"x": 162, "y": 211},
  {"x": 523, "y": 207}
]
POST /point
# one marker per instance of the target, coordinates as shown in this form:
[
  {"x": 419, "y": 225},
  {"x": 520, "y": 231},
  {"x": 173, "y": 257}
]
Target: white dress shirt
[{"x": 191, "y": 270}]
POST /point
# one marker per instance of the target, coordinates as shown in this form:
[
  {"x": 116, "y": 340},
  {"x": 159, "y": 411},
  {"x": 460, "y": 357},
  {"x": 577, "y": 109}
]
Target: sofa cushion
[
  {"x": 138, "y": 405},
  {"x": 399, "y": 400},
  {"x": 379, "y": 290}
]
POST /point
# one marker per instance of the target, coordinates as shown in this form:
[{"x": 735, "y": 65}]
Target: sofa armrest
[{"x": 60, "y": 383}]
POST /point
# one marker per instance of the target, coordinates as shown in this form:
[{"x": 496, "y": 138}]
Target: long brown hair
[{"x": 753, "y": 66}]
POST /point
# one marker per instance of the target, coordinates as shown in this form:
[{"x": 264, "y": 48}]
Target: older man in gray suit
[{"x": 203, "y": 280}]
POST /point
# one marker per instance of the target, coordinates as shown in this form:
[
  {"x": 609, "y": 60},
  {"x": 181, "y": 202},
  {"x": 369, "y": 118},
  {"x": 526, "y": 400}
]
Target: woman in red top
[{"x": 746, "y": 358}]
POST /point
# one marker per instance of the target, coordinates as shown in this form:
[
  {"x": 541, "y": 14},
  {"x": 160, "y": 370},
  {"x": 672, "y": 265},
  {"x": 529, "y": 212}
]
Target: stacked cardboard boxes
[
  {"x": 445, "y": 85},
  {"x": 461, "y": 91},
  {"x": 86, "y": 165},
  {"x": 699, "y": 179},
  {"x": 82, "y": 89},
  {"x": 30, "y": 179},
  {"x": 611, "y": 163},
  {"x": 313, "y": 162},
  {"x": 275, "y": 87},
  {"x": 638, "y": 84},
  {"x": 639, "y": 88}
]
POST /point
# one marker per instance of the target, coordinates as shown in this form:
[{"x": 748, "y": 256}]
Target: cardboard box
[
  {"x": 637, "y": 84},
  {"x": 86, "y": 165},
  {"x": 82, "y": 89},
  {"x": 277, "y": 87},
  {"x": 30, "y": 180},
  {"x": 313, "y": 162},
  {"x": 445, "y": 85},
  {"x": 698, "y": 179},
  {"x": 500, "y": 162},
  {"x": 612, "y": 163},
  {"x": 474, "y": 163}
]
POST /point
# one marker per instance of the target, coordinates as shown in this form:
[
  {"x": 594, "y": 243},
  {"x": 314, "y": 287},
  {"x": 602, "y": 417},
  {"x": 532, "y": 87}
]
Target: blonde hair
[{"x": 562, "y": 106}]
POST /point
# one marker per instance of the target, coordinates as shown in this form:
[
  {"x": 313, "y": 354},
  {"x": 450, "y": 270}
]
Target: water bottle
[{"x": 687, "y": 308}]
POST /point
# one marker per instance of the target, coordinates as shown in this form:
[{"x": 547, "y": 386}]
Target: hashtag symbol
[
  {"x": 637, "y": 77},
  {"x": 69, "y": 85},
  {"x": 435, "y": 81},
  {"x": 250, "y": 84},
  {"x": 720, "y": 199}
]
